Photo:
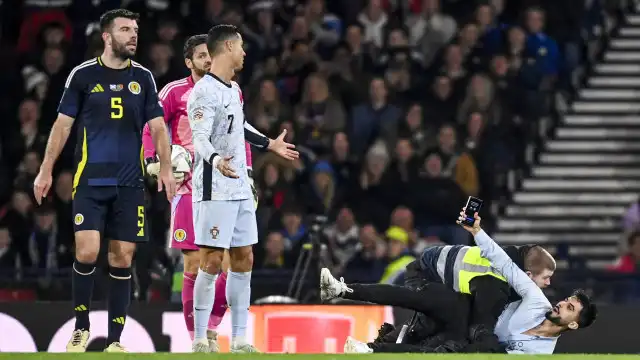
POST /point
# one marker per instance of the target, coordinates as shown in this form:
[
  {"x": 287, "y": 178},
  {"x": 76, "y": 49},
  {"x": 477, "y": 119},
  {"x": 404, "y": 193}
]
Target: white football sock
[
  {"x": 203, "y": 297},
  {"x": 239, "y": 298}
]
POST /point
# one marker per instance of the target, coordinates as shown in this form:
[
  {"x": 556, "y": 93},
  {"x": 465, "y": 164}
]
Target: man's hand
[
  {"x": 283, "y": 148},
  {"x": 167, "y": 181},
  {"x": 225, "y": 168},
  {"x": 476, "y": 224},
  {"x": 42, "y": 185}
]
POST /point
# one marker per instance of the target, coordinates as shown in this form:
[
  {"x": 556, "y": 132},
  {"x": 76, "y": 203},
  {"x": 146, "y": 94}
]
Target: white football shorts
[{"x": 225, "y": 223}]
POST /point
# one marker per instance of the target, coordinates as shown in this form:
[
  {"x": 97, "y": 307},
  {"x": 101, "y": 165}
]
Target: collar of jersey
[
  {"x": 106, "y": 67},
  {"x": 221, "y": 81}
]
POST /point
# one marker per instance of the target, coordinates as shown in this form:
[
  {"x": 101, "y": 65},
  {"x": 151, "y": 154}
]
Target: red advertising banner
[
  {"x": 46, "y": 326},
  {"x": 272, "y": 328},
  {"x": 301, "y": 328}
]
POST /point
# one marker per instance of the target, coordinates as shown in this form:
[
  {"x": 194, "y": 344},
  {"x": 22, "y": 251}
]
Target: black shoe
[
  {"x": 434, "y": 341},
  {"x": 384, "y": 330},
  {"x": 479, "y": 331},
  {"x": 451, "y": 346}
]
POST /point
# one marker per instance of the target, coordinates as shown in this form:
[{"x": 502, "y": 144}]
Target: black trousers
[
  {"x": 441, "y": 310},
  {"x": 490, "y": 296},
  {"x": 437, "y": 301}
]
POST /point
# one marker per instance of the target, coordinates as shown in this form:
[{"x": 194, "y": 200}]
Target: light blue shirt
[{"x": 519, "y": 316}]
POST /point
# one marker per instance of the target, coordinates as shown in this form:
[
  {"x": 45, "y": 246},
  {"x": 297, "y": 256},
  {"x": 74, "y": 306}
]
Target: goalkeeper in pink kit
[{"x": 174, "y": 102}]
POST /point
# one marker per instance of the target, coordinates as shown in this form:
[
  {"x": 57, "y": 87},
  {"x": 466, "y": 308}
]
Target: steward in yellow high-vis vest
[{"x": 456, "y": 265}]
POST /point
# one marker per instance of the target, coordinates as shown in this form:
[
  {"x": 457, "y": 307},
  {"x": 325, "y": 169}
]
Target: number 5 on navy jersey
[{"x": 116, "y": 108}]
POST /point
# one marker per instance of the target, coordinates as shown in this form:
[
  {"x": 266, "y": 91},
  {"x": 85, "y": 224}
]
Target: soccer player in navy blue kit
[{"x": 112, "y": 98}]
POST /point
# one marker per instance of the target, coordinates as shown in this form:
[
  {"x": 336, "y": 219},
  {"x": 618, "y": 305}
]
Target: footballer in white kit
[{"x": 223, "y": 206}]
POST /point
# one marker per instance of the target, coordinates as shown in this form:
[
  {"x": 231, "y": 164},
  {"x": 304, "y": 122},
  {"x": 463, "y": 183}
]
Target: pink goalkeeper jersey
[{"x": 174, "y": 98}]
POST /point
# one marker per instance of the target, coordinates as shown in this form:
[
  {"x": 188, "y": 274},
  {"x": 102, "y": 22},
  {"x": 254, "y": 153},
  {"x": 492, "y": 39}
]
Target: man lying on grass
[{"x": 529, "y": 326}]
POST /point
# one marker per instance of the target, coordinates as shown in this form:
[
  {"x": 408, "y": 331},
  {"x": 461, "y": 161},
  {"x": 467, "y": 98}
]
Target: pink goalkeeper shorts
[{"x": 182, "y": 236}]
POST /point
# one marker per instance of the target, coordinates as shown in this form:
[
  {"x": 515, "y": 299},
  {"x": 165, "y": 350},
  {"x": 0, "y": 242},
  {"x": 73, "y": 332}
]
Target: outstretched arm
[
  {"x": 517, "y": 279},
  {"x": 278, "y": 145}
]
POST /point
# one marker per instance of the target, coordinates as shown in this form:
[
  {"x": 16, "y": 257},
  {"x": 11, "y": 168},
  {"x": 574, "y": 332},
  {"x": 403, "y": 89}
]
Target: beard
[
  {"x": 201, "y": 71},
  {"x": 554, "y": 319},
  {"x": 120, "y": 50}
]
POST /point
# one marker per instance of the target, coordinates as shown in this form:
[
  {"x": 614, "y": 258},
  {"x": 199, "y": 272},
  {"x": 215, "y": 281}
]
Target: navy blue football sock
[
  {"x": 119, "y": 298},
  {"x": 82, "y": 282}
]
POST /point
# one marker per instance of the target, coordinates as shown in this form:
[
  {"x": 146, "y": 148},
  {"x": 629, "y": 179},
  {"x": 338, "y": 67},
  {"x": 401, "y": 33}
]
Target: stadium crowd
[{"x": 401, "y": 109}]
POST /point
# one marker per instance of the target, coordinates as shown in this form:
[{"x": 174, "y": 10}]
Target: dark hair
[
  {"x": 589, "y": 310},
  {"x": 191, "y": 44},
  {"x": 106, "y": 20},
  {"x": 218, "y": 34}
]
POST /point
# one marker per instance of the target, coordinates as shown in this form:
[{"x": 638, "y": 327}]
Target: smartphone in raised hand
[{"x": 473, "y": 206}]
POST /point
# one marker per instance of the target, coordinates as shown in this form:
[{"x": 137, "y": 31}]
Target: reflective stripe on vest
[
  {"x": 395, "y": 268},
  {"x": 468, "y": 264}
]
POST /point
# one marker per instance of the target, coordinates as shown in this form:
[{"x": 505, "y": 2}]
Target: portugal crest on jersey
[{"x": 134, "y": 87}]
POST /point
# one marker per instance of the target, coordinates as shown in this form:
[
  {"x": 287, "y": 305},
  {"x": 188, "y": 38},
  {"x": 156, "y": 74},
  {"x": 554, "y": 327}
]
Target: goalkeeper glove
[
  {"x": 153, "y": 169},
  {"x": 153, "y": 166}
]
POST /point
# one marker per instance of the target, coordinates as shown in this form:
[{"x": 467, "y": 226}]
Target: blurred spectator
[
  {"x": 413, "y": 128},
  {"x": 456, "y": 164},
  {"x": 375, "y": 119},
  {"x": 319, "y": 115},
  {"x": 269, "y": 34},
  {"x": 297, "y": 64},
  {"x": 361, "y": 51},
  {"x": 28, "y": 170},
  {"x": 374, "y": 20},
  {"x": 325, "y": 27},
  {"x": 343, "y": 161},
  {"x": 293, "y": 230},
  {"x": 161, "y": 66},
  {"x": 539, "y": 43},
  {"x": 479, "y": 98},
  {"x": 275, "y": 254},
  {"x": 435, "y": 208},
  {"x": 441, "y": 103},
  {"x": 403, "y": 168},
  {"x": 43, "y": 239},
  {"x": 367, "y": 264},
  {"x": 271, "y": 192},
  {"x": 468, "y": 41},
  {"x": 430, "y": 30},
  {"x": 29, "y": 117},
  {"x": 343, "y": 237},
  {"x": 19, "y": 220},
  {"x": 7, "y": 255},
  {"x": 454, "y": 68},
  {"x": 267, "y": 110},
  {"x": 345, "y": 77},
  {"x": 371, "y": 198},
  {"x": 321, "y": 192},
  {"x": 628, "y": 263},
  {"x": 398, "y": 254}
]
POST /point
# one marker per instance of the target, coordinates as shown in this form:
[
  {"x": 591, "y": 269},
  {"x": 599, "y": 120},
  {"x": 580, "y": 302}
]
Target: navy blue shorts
[{"x": 117, "y": 212}]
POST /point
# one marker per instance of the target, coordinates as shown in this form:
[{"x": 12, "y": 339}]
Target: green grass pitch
[{"x": 166, "y": 356}]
